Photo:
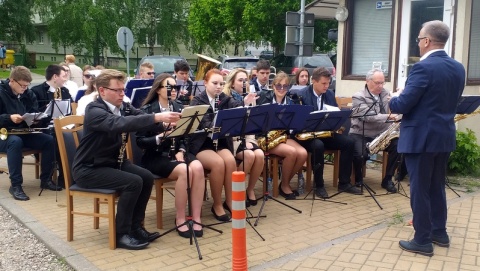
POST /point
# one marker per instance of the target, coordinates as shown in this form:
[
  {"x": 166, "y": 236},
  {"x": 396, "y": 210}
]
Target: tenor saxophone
[{"x": 382, "y": 141}]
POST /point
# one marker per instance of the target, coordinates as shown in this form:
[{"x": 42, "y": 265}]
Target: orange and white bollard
[{"x": 239, "y": 231}]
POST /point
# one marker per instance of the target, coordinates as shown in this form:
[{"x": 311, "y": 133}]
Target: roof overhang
[{"x": 323, "y": 9}]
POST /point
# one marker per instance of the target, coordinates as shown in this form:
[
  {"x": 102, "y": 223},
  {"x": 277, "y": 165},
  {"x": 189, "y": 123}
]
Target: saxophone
[
  {"x": 382, "y": 141},
  {"x": 312, "y": 135},
  {"x": 275, "y": 137}
]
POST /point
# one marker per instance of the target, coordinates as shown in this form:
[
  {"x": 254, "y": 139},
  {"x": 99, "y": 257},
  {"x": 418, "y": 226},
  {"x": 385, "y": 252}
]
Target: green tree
[
  {"x": 16, "y": 21},
  {"x": 322, "y": 43}
]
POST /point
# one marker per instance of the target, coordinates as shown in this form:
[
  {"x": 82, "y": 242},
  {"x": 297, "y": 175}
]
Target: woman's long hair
[{"x": 152, "y": 94}]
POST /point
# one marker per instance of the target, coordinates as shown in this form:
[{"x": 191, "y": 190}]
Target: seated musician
[
  {"x": 294, "y": 155},
  {"x": 182, "y": 72},
  {"x": 99, "y": 161},
  {"x": 251, "y": 155},
  {"x": 159, "y": 159},
  {"x": 372, "y": 126},
  {"x": 16, "y": 99},
  {"x": 53, "y": 87},
  {"x": 218, "y": 158},
  {"x": 321, "y": 98}
]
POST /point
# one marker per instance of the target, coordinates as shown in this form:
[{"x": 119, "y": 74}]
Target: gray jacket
[{"x": 374, "y": 124}]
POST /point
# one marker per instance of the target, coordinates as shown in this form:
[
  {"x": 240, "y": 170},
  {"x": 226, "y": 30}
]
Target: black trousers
[
  {"x": 361, "y": 150},
  {"x": 337, "y": 142},
  {"x": 134, "y": 184}
]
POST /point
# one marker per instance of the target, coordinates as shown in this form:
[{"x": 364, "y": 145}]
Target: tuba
[
  {"x": 382, "y": 141},
  {"x": 275, "y": 137},
  {"x": 204, "y": 64}
]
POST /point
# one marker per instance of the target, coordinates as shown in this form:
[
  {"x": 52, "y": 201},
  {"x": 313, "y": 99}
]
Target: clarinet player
[{"x": 99, "y": 161}]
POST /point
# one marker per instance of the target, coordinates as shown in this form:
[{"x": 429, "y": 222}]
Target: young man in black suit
[{"x": 100, "y": 158}]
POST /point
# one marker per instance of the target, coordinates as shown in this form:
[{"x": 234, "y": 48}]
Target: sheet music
[
  {"x": 61, "y": 108},
  {"x": 30, "y": 117}
]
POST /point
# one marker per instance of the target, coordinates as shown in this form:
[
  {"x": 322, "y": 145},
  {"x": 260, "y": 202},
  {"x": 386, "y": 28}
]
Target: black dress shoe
[
  {"x": 225, "y": 206},
  {"x": 128, "y": 242},
  {"x": 321, "y": 192},
  {"x": 184, "y": 234},
  {"x": 389, "y": 186},
  {"x": 17, "y": 193},
  {"x": 441, "y": 241},
  {"x": 198, "y": 233},
  {"x": 349, "y": 188},
  {"x": 222, "y": 218},
  {"x": 290, "y": 196},
  {"x": 250, "y": 202},
  {"x": 50, "y": 186},
  {"x": 412, "y": 246},
  {"x": 144, "y": 236}
]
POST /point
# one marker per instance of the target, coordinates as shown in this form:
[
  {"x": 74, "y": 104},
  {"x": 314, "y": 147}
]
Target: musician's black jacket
[
  {"x": 308, "y": 98},
  {"x": 11, "y": 103},
  {"x": 198, "y": 139},
  {"x": 102, "y": 133},
  {"x": 44, "y": 96},
  {"x": 266, "y": 97},
  {"x": 147, "y": 140}
]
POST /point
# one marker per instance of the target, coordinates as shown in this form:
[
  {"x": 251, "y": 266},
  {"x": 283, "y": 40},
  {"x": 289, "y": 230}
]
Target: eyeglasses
[
  {"x": 118, "y": 91},
  {"x": 151, "y": 73},
  {"x": 219, "y": 83},
  {"x": 419, "y": 39},
  {"x": 22, "y": 86},
  {"x": 174, "y": 87},
  {"x": 88, "y": 76},
  {"x": 378, "y": 83},
  {"x": 280, "y": 86}
]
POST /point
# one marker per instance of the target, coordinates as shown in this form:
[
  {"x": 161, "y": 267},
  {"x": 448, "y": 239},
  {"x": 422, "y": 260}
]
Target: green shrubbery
[{"x": 466, "y": 158}]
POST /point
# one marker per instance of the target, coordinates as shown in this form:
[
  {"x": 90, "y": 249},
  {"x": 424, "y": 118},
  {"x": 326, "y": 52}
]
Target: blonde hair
[
  {"x": 280, "y": 77},
  {"x": 231, "y": 79},
  {"x": 103, "y": 80},
  {"x": 70, "y": 58}
]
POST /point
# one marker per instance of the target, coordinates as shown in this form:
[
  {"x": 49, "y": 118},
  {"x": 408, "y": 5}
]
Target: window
[
  {"x": 42, "y": 58},
  {"x": 40, "y": 38},
  {"x": 369, "y": 38},
  {"x": 473, "y": 72}
]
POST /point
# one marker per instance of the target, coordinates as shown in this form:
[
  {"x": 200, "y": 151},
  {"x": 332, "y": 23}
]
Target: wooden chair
[
  {"x": 68, "y": 140},
  {"x": 27, "y": 152},
  {"x": 336, "y": 168},
  {"x": 134, "y": 153}
]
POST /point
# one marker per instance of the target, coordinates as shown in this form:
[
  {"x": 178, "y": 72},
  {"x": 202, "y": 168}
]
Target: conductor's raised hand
[{"x": 167, "y": 117}]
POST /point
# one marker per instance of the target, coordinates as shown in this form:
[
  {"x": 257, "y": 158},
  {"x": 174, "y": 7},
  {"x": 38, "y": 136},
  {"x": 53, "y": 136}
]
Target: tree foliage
[{"x": 16, "y": 21}]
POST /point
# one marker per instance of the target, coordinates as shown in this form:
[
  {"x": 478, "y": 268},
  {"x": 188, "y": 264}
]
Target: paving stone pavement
[{"x": 325, "y": 236}]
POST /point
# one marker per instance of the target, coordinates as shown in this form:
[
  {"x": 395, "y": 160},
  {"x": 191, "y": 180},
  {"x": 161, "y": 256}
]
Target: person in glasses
[
  {"x": 362, "y": 131},
  {"x": 69, "y": 84},
  {"x": 146, "y": 71},
  {"x": 321, "y": 98},
  {"x": 159, "y": 159},
  {"x": 182, "y": 72},
  {"x": 100, "y": 160},
  {"x": 16, "y": 99},
  {"x": 251, "y": 157},
  {"x": 76, "y": 73},
  {"x": 216, "y": 157},
  {"x": 293, "y": 154}
]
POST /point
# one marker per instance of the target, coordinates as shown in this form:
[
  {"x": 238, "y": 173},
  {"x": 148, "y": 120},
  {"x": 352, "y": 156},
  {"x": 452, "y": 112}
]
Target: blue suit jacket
[
  {"x": 308, "y": 98},
  {"x": 428, "y": 104}
]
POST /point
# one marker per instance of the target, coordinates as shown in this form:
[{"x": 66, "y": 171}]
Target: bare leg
[
  {"x": 230, "y": 166},
  {"x": 301, "y": 156},
  {"x": 179, "y": 173},
  {"x": 289, "y": 156},
  {"x": 255, "y": 173},
  {"x": 212, "y": 161},
  {"x": 197, "y": 178}
]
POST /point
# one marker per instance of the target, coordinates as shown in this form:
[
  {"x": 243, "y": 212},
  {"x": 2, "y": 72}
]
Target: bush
[{"x": 466, "y": 157}]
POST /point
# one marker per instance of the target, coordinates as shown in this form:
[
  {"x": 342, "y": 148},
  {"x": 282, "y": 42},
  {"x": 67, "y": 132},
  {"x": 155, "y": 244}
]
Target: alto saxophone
[
  {"x": 382, "y": 141},
  {"x": 275, "y": 137},
  {"x": 312, "y": 135}
]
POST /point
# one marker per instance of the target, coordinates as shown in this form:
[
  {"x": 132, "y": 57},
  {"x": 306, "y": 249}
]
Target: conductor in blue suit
[{"x": 428, "y": 104}]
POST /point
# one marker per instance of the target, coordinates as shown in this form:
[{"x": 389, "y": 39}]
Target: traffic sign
[{"x": 125, "y": 38}]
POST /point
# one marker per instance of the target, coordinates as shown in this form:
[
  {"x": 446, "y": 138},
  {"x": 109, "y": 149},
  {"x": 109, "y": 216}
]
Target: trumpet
[{"x": 19, "y": 131}]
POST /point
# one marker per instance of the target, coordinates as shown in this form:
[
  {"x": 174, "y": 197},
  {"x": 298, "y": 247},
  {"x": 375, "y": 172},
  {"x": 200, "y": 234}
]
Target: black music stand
[
  {"x": 361, "y": 112},
  {"x": 269, "y": 117},
  {"x": 229, "y": 123},
  {"x": 191, "y": 117},
  {"x": 324, "y": 121}
]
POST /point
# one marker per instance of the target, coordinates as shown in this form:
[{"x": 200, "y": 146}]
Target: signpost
[
  {"x": 125, "y": 41},
  {"x": 299, "y": 33}
]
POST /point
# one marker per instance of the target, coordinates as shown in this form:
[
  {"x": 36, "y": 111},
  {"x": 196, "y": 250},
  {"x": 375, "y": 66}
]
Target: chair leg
[
  {"x": 37, "y": 166},
  {"x": 336, "y": 167},
  {"x": 159, "y": 203},
  {"x": 96, "y": 210},
  {"x": 274, "y": 172},
  {"x": 112, "y": 236},
  {"x": 384, "y": 163},
  {"x": 308, "y": 185},
  {"x": 70, "y": 218}
]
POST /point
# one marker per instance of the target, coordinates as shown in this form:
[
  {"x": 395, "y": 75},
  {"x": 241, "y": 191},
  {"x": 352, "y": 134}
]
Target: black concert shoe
[
  {"x": 222, "y": 218},
  {"x": 349, "y": 188},
  {"x": 290, "y": 196},
  {"x": 198, "y": 233},
  {"x": 412, "y": 246},
  {"x": 144, "y": 236},
  {"x": 250, "y": 202},
  {"x": 184, "y": 234},
  {"x": 50, "y": 186},
  {"x": 321, "y": 192},
  {"x": 225, "y": 206},
  {"x": 17, "y": 193},
  {"x": 389, "y": 186},
  {"x": 128, "y": 242},
  {"x": 441, "y": 241}
]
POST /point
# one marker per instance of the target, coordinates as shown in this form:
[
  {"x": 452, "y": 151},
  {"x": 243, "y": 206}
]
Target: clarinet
[
  {"x": 170, "y": 106},
  {"x": 215, "y": 109}
]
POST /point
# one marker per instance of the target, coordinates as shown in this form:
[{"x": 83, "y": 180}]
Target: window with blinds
[
  {"x": 370, "y": 37},
  {"x": 473, "y": 73}
]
